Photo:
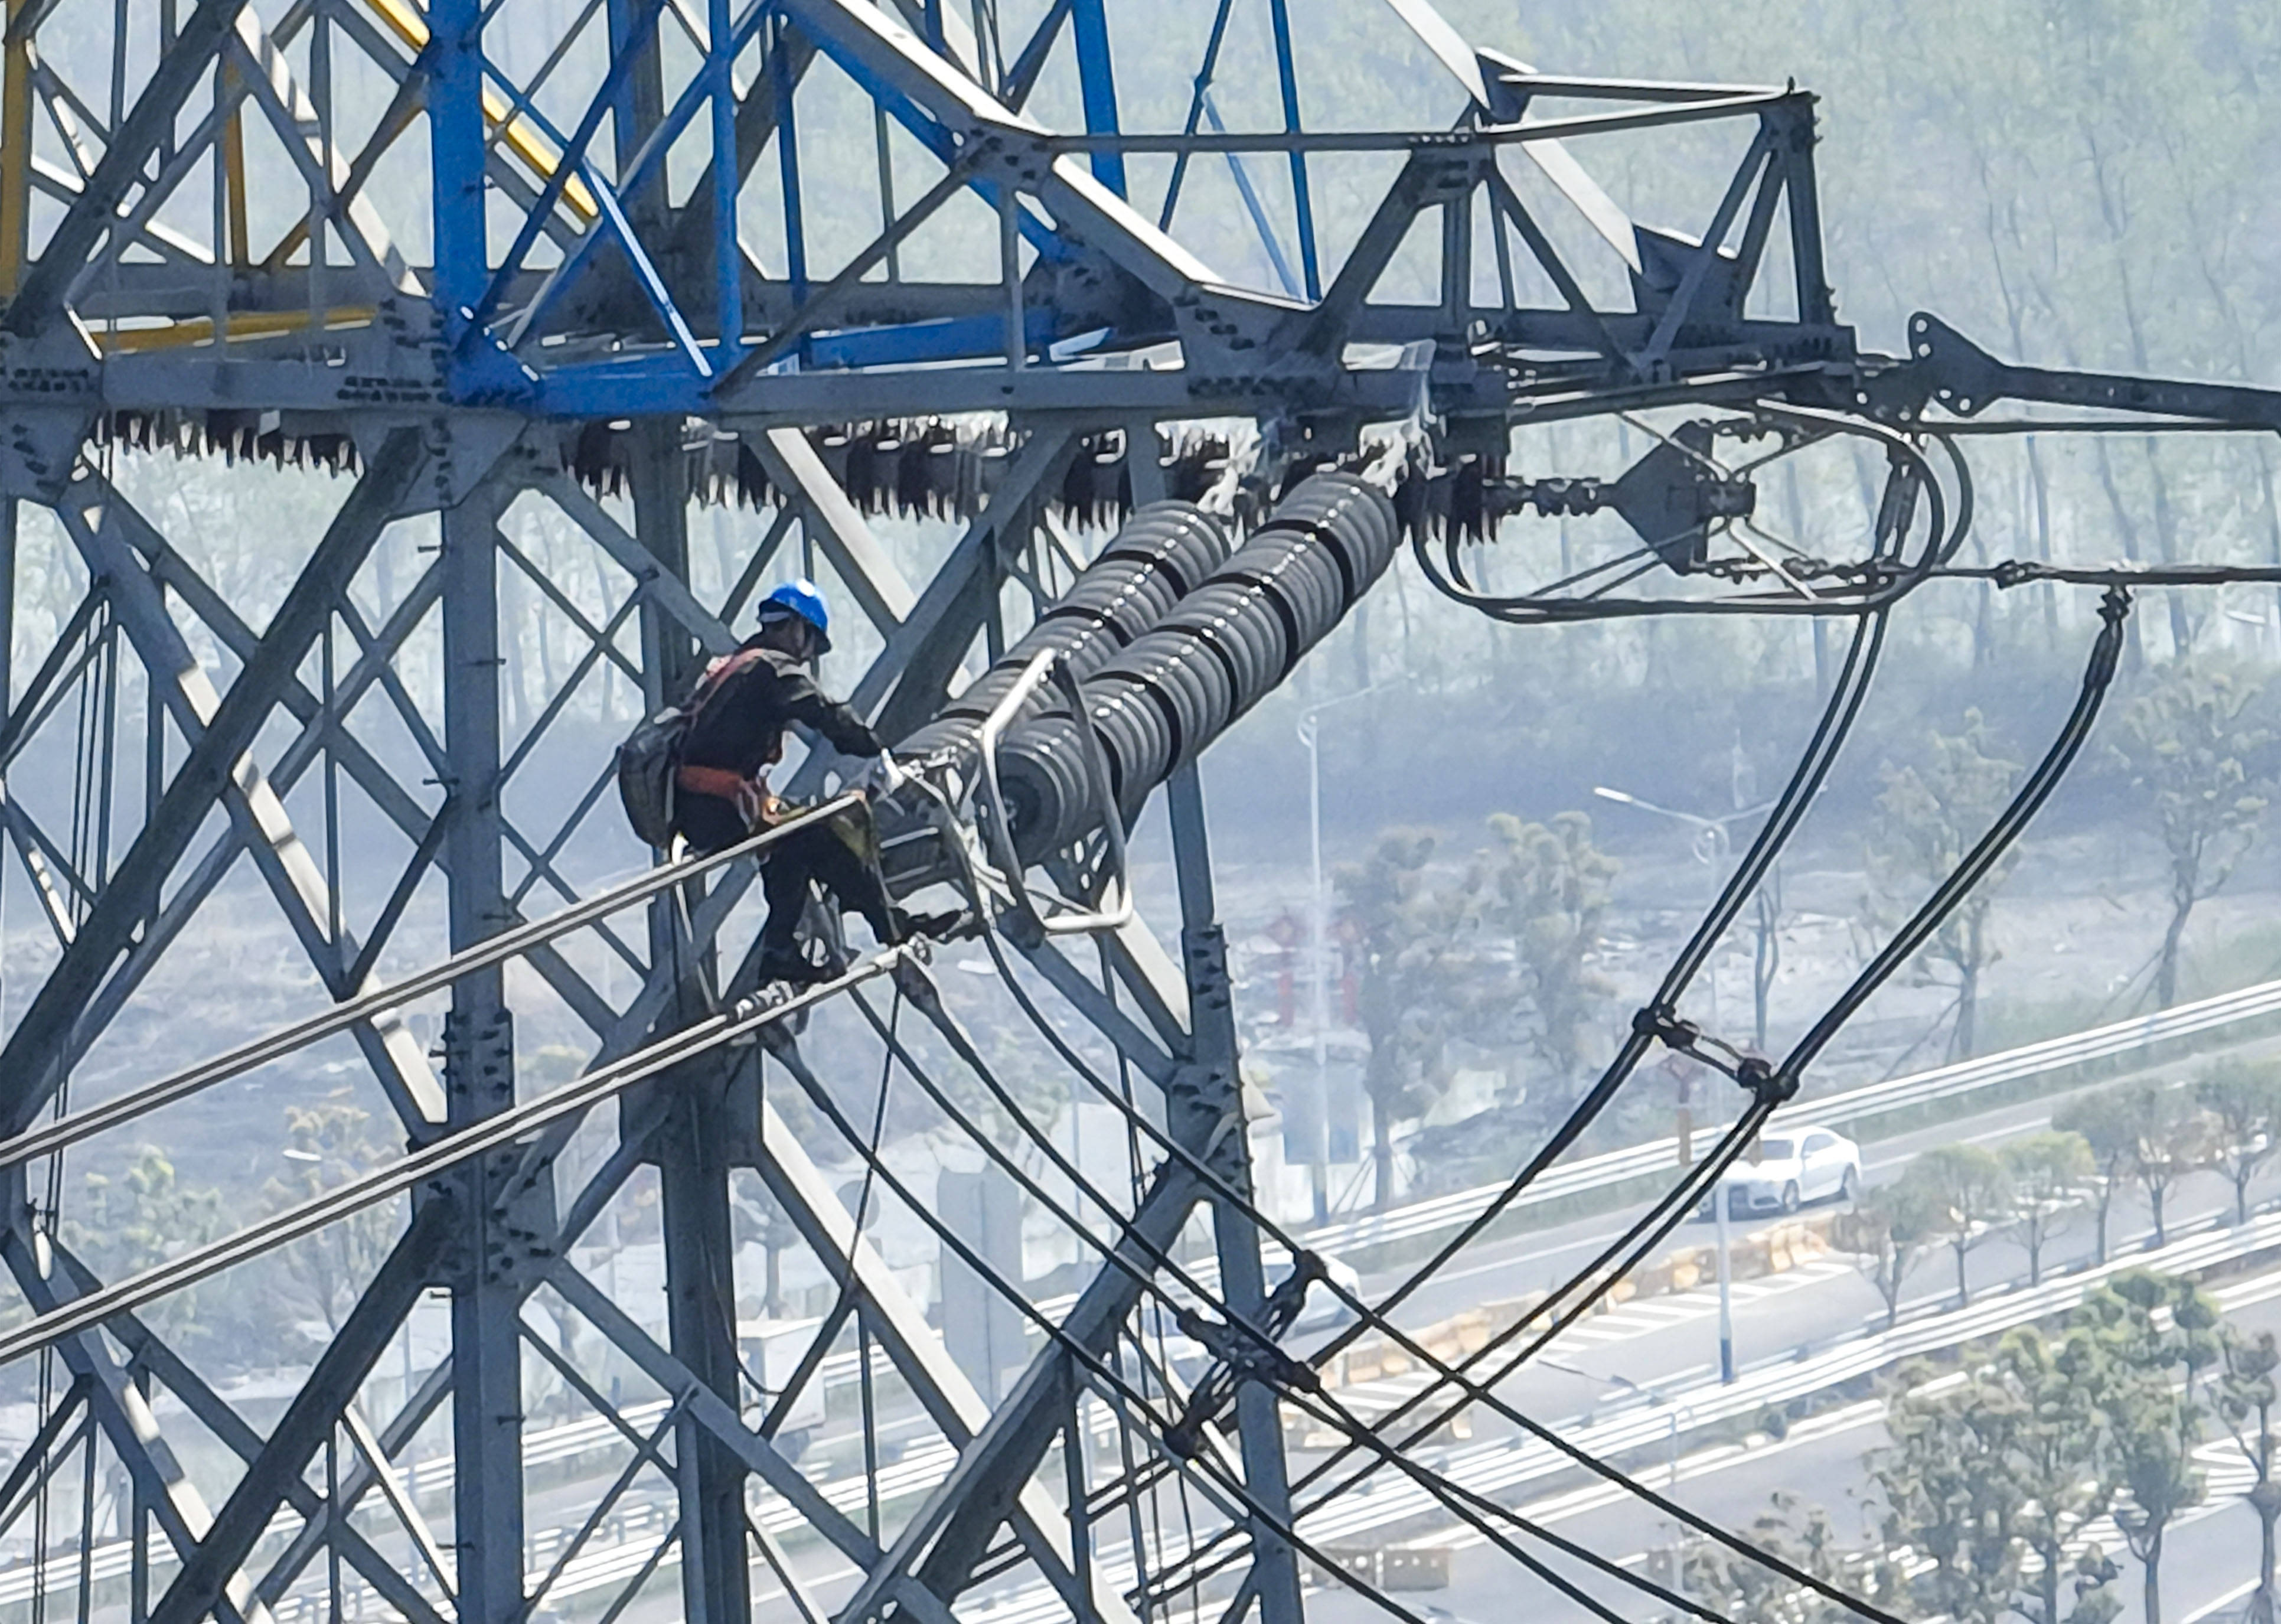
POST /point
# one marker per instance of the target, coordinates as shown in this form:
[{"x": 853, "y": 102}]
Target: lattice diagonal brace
[{"x": 218, "y": 262}]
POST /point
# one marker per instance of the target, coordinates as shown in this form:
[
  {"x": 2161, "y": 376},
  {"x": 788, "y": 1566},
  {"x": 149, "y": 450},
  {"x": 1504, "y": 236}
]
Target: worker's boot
[
  {"x": 905, "y": 924},
  {"x": 791, "y": 967}
]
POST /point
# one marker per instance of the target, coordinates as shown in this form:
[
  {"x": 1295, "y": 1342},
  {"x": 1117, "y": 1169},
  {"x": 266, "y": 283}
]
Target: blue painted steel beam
[
  {"x": 930, "y": 133},
  {"x": 1022, "y": 74},
  {"x": 487, "y": 376},
  {"x": 958, "y": 339},
  {"x": 608, "y": 98},
  {"x": 795, "y": 220},
  {"x": 1196, "y": 99},
  {"x": 647, "y": 166},
  {"x": 1097, "y": 81},
  {"x": 456, "y": 156},
  {"x": 722, "y": 45},
  {"x": 1252, "y": 206},
  {"x": 1287, "y": 73}
]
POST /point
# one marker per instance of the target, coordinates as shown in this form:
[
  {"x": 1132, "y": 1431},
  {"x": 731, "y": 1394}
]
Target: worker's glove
[{"x": 881, "y": 778}]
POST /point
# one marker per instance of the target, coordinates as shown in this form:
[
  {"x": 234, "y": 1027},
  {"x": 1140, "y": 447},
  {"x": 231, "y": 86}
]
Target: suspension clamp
[
  {"x": 1246, "y": 1357},
  {"x": 1237, "y": 1358},
  {"x": 1769, "y": 1086},
  {"x": 1290, "y": 1294},
  {"x": 1661, "y": 1022}
]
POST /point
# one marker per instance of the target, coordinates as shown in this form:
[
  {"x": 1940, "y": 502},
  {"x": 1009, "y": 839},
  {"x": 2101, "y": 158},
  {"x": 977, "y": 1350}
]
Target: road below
[
  {"x": 2209, "y": 1561},
  {"x": 1609, "y": 1366},
  {"x": 1665, "y": 1341}
]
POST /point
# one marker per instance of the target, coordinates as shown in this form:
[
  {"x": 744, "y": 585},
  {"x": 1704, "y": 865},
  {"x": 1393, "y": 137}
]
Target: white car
[{"x": 1789, "y": 1167}]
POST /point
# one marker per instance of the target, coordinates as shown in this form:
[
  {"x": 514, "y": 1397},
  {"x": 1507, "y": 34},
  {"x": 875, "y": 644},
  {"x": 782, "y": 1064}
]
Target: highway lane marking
[
  {"x": 930, "y": 1461},
  {"x": 1519, "y": 1257},
  {"x": 1701, "y": 1462},
  {"x": 1491, "y": 1467},
  {"x": 1623, "y": 1323},
  {"x": 1941, "y": 1083},
  {"x": 1644, "y": 1317},
  {"x": 2239, "y": 1294},
  {"x": 2010, "y": 1131},
  {"x": 2225, "y": 1473},
  {"x": 2226, "y": 1600},
  {"x": 2246, "y": 1294},
  {"x": 2223, "y": 1491}
]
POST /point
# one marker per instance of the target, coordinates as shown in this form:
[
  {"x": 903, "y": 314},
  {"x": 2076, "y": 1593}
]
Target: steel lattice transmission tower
[{"x": 533, "y": 270}]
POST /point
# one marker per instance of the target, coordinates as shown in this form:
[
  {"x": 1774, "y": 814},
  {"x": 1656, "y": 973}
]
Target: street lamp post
[
  {"x": 1712, "y": 846},
  {"x": 1673, "y": 1415},
  {"x": 1674, "y": 1412},
  {"x": 1318, "y": 995},
  {"x": 1319, "y": 931},
  {"x": 1676, "y": 1415},
  {"x": 1726, "y": 1298}
]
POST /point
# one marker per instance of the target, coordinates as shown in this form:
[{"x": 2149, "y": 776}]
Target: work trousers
[{"x": 820, "y": 854}]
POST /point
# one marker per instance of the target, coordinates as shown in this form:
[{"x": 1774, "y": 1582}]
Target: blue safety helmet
[{"x": 801, "y": 597}]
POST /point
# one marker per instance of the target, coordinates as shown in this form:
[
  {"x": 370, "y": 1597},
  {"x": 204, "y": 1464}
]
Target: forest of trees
[{"x": 2015, "y": 1480}]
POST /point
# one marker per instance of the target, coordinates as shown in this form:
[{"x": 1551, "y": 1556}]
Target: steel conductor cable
[{"x": 1144, "y": 1279}]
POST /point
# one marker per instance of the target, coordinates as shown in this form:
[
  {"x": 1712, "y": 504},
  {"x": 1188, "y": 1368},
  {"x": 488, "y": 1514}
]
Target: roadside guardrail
[
  {"x": 1852, "y": 1105},
  {"x": 1494, "y": 1468}
]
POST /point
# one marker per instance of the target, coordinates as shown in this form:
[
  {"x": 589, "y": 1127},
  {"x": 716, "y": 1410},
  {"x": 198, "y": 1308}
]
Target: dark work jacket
[{"x": 742, "y": 726}]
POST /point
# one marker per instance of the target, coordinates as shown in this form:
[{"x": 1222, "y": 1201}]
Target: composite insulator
[
  {"x": 1222, "y": 648},
  {"x": 1161, "y": 555}
]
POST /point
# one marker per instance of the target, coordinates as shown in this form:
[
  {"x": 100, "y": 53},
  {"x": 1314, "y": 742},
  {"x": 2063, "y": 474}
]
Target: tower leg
[
  {"x": 1243, "y": 1275},
  {"x": 692, "y": 1149},
  {"x": 479, "y": 1082}
]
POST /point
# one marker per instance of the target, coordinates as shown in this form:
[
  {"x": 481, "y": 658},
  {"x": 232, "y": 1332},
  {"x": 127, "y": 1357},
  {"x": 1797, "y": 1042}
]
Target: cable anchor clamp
[
  {"x": 1768, "y": 1085},
  {"x": 1662, "y": 1023}
]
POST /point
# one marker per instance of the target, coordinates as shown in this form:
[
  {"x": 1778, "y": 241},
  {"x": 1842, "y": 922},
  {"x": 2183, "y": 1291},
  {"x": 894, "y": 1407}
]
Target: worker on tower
[{"x": 735, "y": 734}]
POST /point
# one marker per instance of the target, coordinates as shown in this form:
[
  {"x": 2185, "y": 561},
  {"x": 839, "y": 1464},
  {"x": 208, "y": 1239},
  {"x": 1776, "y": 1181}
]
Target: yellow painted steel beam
[
  {"x": 243, "y": 325},
  {"x": 518, "y": 132},
  {"x": 15, "y": 155}
]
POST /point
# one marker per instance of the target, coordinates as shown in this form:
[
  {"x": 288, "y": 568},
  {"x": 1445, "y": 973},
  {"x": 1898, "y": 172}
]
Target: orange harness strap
[
  {"x": 713, "y": 781},
  {"x": 750, "y": 796},
  {"x": 754, "y": 803}
]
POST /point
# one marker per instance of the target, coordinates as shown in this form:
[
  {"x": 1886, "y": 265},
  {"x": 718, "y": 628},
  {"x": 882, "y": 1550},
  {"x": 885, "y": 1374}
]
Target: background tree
[
  {"x": 1545, "y": 888},
  {"x": 2173, "y": 1140},
  {"x": 2108, "y": 1121},
  {"x": 1928, "y": 816},
  {"x": 1888, "y": 1229},
  {"x": 1803, "y": 1536},
  {"x": 126, "y": 1224},
  {"x": 2049, "y": 1173},
  {"x": 327, "y": 1144},
  {"x": 2001, "y": 1474},
  {"x": 2054, "y": 1457},
  {"x": 2246, "y": 1403},
  {"x": 1408, "y": 929},
  {"x": 1967, "y": 1186},
  {"x": 2188, "y": 746},
  {"x": 1950, "y": 1494},
  {"x": 2128, "y": 1353},
  {"x": 2243, "y": 1100}
]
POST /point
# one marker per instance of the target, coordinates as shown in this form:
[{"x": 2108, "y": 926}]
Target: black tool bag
[{"x": 649, "y": 760}]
